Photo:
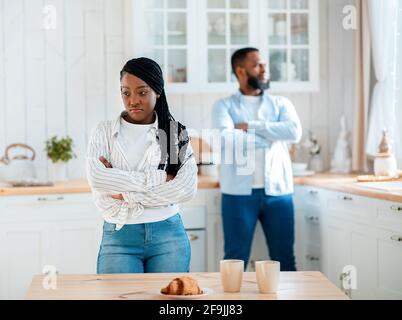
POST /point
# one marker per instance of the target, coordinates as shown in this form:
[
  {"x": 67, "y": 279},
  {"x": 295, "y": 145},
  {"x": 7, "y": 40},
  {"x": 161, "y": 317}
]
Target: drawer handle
[
  {"x": 396, "y": 238},
  {"x": 313, "y": 192},
  {"x": 396, "y": 208},
  {"x": 193, "y": 237},
  {"x": 309, "y": 257},
  {"x": 312, "y": 219},
  {"x": 347, "y": 198},
  {"x": 52, "y": 199}
]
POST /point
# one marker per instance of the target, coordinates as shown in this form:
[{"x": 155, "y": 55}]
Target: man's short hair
[{"x": 239, "y": 56}]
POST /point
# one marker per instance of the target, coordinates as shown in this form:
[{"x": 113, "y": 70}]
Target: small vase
[
  {"x": 58, "y": 171},
  {"x": 385, "y": 166},
  {"x": 316, "y": 164}
]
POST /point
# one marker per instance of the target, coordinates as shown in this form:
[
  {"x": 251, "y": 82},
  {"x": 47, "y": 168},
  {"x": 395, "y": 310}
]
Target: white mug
[
  {"x": 267, "y": 273},
  {"x": 231, "y": 275}
]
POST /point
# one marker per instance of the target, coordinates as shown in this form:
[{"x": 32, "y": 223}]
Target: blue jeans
[
  {"x": 161, "y": 246},
  {"x": 276, "y": 214}
]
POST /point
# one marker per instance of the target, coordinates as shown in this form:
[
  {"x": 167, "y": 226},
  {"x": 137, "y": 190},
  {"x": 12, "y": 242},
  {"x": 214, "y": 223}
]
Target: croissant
[{"x": 182, "y": 286}]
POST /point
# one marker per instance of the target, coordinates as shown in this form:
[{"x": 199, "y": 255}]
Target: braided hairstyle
[{"x": 175, "y": 145}]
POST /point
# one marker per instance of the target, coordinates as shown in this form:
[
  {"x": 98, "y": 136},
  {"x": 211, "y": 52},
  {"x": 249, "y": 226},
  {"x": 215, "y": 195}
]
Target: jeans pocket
[
  {"x": 109, "y": 228},
  {"x": 176, "y": 219}
]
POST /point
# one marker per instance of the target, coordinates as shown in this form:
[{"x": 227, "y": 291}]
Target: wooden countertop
[
  {"x": 335, "y": 182},
  {"x": 293, "y": 286},
  {"x": 345, "y": 183},
  {"x": 80, "y": 186}
]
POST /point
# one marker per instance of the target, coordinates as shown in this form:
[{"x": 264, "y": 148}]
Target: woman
[{"x": 140, "y": 166}]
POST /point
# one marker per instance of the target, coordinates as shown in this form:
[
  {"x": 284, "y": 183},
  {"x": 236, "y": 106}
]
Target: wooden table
[{"x": 293, "y": 286}]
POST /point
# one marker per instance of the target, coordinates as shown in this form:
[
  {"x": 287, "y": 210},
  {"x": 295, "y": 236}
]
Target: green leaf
[{"x": 60, "y": 149}]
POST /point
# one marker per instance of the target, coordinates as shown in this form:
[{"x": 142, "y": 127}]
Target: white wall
[{"x": 64, "y": 81}]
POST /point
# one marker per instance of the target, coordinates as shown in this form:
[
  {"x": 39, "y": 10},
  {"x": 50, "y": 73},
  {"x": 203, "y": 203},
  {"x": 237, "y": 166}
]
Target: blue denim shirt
[{"x": 278, "y": 124}]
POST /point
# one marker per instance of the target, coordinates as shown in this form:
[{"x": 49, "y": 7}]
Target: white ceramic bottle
[{"x": 385, "y": 162}]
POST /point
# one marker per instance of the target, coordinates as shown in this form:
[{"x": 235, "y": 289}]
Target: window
[
  {"x": 228, "y": 30},
  {"x": 165, "y": 37},
  {"x": 194, "y": 40},
  {"x": 288, "y": 40}
]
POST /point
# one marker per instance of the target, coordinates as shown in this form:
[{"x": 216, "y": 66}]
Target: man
[{"x": 265, "y": 193}]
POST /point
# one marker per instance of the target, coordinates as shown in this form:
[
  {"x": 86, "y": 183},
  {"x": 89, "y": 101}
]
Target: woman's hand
[
  {"x": 107, "y": 164},
  {"x": 118, "y": 197}
]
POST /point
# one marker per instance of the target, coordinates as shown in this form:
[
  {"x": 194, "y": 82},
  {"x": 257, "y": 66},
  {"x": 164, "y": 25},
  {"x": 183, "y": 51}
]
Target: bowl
[{"x": 299, "y": 166}]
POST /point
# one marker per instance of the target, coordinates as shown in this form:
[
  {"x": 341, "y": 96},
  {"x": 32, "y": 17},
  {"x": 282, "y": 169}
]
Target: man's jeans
[
  {"x": 151, "y": 247},
  {"x": 276, "y": 214}
]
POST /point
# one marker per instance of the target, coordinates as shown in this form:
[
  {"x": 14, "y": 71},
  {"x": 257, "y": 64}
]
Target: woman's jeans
[
  {"x": 161, "y": 246},
  {"x": 276, "y": 214}
]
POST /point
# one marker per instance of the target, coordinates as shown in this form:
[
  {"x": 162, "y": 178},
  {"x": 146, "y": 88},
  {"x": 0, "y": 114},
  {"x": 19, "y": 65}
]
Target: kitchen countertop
[
  {"x": 345, "y": 183},
  {"x": 334, "y": 182},
  {"x": 80, "y": 186},
  {"x": 293, "y": 286}
]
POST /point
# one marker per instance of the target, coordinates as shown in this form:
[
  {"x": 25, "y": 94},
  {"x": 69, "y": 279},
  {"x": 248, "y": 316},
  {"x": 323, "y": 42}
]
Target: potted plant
[{"x": 59, "y": 152}]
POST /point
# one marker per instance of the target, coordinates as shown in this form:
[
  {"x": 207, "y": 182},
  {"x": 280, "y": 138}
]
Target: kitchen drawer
[
  {"x": 48, "y": 207},
  {"x": 312, "y": 258},
  {"x": 351, "y": 207},
  {"x": 193, "y": 217},
  {"x": 389, "y": 215},
  {"x": 307, "y": 197},
  {"x": 311, "y": 229}
]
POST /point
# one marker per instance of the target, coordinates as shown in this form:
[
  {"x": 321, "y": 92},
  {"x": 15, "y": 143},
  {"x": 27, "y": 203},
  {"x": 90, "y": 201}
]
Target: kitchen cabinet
[
  {"x": 389, "y": 255},
  {"x": 307, "y": 202},
  {"x": 62, "y": 233},
  {"x": 193, "y": 41},
  {"x": 361, "y": 241}
]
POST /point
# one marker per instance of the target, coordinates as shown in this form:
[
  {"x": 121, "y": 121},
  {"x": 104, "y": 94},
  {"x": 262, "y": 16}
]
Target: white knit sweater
[{"x": 144, "y": 188}]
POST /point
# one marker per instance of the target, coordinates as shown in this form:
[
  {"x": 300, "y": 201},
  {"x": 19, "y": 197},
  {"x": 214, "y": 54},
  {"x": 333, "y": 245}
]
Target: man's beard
[{"x": 257, "y": 84}]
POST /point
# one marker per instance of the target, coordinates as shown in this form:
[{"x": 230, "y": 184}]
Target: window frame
[{"x": 197, "y": 46}]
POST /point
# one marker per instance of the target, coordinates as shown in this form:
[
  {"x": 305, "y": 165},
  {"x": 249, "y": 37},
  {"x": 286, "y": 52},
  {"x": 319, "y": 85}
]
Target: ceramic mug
[
  {"x": 267, "y": 273},
  {"x": 231, "y": 275}
]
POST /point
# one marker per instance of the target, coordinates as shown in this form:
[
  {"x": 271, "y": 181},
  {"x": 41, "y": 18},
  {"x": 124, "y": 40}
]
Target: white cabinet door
[
  {"x": 76, "y": 245},
  {"x": 307, "y": 202},
  {"x": 335, "y": 249},
  {"x": 389, "y": 285},
  {"x": 363, "y": 258},
  {"x": 24, "y": 251},
  {"x": 62, "y": 231},
  {"x": 198, "y": 254}
]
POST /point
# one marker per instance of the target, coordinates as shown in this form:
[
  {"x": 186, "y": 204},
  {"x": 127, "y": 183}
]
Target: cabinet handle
[
  {"x": 193, "y": 237},
  {"x": 309, "y": 257},
  {"x": 396, "y": 208},
  {"x": 313, "y": 192},
  {"x": 52, "y": 199},
  {"x": 396, "y": 238},
  {"x": 312, "y": 219},
  {"x": 347, "y": 198}
]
